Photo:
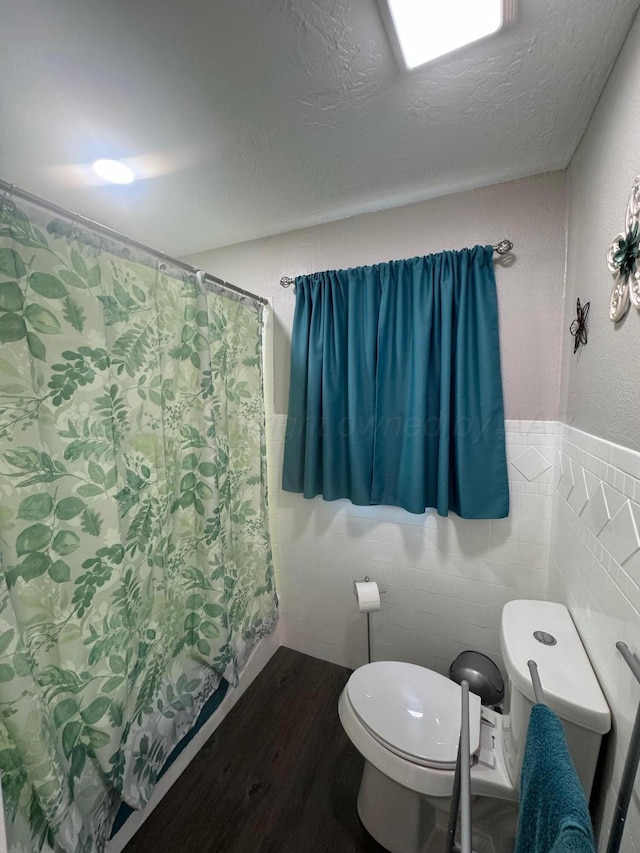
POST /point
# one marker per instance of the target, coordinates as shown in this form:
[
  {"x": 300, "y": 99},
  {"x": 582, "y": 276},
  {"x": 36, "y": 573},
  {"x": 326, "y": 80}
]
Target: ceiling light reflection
[{"x": 114, "y": 171}]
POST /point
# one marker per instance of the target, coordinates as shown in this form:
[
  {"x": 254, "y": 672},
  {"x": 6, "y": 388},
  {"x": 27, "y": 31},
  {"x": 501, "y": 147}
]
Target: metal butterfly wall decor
[{"x": 579, "y": 326}]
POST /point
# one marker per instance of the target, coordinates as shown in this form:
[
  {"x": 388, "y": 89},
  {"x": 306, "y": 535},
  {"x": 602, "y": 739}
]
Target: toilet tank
[{"x": 569, "y": 683}]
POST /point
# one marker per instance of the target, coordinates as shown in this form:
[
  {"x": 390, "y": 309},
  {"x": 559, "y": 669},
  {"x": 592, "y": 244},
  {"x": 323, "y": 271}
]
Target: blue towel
[{"x": 554, "y": 817}]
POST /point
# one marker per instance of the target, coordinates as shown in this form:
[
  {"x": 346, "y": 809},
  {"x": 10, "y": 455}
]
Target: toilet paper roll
[{"x": 368, "y": 596}]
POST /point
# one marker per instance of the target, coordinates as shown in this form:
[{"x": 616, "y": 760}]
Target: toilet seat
[{"x": 412, "y": 711}]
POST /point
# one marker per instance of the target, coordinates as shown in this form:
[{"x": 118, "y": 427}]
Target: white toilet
[{"x": 405, "y": 721}]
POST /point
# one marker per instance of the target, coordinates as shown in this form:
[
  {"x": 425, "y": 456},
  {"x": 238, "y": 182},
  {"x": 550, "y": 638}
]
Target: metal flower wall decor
[{"x": 623, "y": 260}]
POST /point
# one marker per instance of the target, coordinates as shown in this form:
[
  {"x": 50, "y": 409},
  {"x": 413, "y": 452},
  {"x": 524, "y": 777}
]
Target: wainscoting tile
[
  {"x": 505, "y": 552},
  {"x": 578, "y": 496},
  {"x": 592, "y": 481},
  {"x": 446, "y": 578},
  {"x": 536, "y": 507},
  {"x": 620, "y": 535},
  {"x": 632, "y": 564},
  {"x": 532, "y": 555},
  {"x": 531, "y": 464},
  {"x": 503, "y": 528},
  {"x": 626, "y": 460},
  {"x": 635, "y": 513},
  {"x": 566, "y": 483},
  {"x": 534, "y": 531},
  {"x": 615, "y": 499},
  {"x": 595, "y": 569},
  {"x": 596, "y": 513}
]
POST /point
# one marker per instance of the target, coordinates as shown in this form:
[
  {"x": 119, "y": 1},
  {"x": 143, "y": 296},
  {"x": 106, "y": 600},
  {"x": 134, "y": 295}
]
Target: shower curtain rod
[
  {"x": 11, "y": 190},
  {"x": 502, "y": 248}
]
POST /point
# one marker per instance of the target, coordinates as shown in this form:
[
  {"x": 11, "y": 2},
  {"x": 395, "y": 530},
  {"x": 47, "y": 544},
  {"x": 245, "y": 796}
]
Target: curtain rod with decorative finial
[{"x": 501, "y": 248}]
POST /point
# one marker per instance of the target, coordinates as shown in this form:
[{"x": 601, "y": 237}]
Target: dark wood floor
[{"x": 278, "y": 776}]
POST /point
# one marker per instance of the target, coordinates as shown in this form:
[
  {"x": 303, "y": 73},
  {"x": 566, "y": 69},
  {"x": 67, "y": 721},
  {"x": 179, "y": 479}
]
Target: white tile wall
[
  {"x": 445, "y": 579},
  {"x": 594, "y": 566}
]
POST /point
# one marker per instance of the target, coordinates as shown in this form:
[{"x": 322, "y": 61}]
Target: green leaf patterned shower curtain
[{"x": 134, "y": 547}]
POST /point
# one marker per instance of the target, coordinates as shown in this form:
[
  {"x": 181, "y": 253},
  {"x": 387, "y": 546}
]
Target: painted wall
[
  {"x": 530, "y": 212},
  {"x": 600, "y": 387},
  {"x": 595, "y": 539}
]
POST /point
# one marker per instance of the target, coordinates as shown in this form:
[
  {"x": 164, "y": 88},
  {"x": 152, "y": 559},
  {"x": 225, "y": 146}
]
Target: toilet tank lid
[{"x": 570, "y": 686}]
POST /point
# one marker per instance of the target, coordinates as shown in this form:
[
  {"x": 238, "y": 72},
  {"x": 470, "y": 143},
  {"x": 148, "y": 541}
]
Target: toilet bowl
[{"x": 405, "y": 721}]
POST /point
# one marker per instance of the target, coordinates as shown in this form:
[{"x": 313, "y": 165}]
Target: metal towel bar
[
  {"x": 538, "y": 692},
  {"x": 631, "y": 764},
  {"x": 461, "y": 795},
  {"x": 633, "y": 755}
]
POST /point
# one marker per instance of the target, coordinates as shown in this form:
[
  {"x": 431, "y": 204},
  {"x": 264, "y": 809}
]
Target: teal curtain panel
[
  {"x": 396, "y": 390},
  {"x": 134, "y": 546}
]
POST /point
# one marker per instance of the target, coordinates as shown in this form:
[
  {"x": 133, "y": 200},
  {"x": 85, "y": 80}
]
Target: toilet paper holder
[{"x": 367, "y": 579}]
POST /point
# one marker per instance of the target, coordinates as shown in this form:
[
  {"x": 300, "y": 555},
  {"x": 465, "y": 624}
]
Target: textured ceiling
[{"x": 254, "y": 117}]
